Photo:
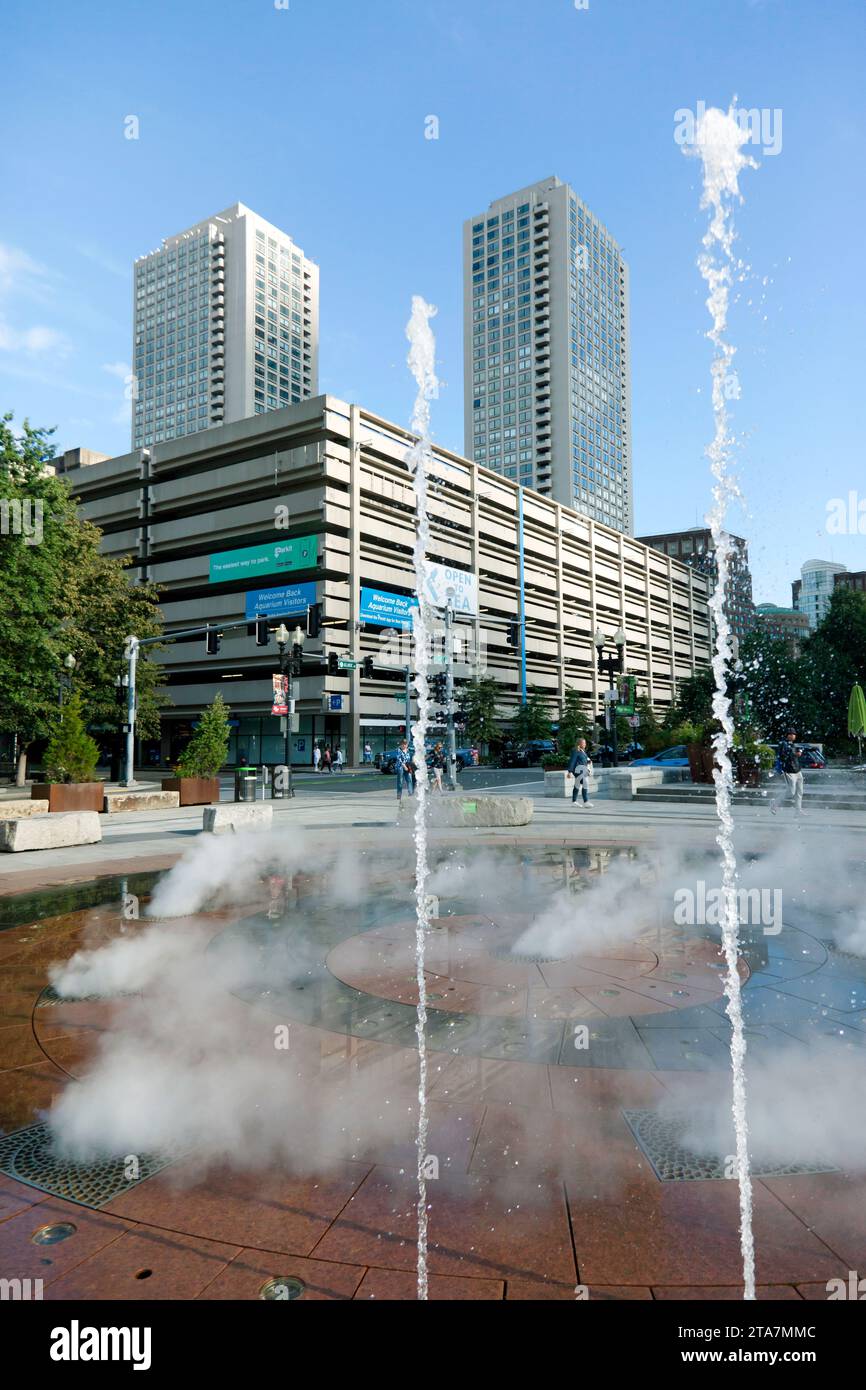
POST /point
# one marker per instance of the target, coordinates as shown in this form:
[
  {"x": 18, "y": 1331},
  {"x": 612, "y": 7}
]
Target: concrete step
[{"x": 753, "y": 796}]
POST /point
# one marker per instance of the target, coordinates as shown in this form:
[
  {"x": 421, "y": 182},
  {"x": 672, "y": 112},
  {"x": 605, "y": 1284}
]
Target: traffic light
[
  {"x": 514, "y": 633},
  {"x": 297, "y": 658},
  {"x": 263, "y": 637},
  {"x": 212, "y": 641},
  {"x": 368, "y": 667},
  {"x": 333, "y": 668},
  {"x": 438, "y": 686},
  {"x": 314, "y": 619}
]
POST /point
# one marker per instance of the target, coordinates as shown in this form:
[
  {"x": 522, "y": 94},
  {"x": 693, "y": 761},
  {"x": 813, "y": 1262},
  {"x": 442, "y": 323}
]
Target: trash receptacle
[{"x": 245, "y": 784}]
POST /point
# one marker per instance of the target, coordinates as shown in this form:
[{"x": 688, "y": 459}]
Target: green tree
[
  {"x": 833, "y": 658},
  {"x": 71, "y": 755},
  {"x": 208, "y": 748},
  {"x": 574, "y": 722},
  {"x": 59, "y": 595},
  {"x": 694, "y": 701},
  {"x": 768, "y": 692},
  {"x": 478, "y": 702},
  {"x": 532, "y": 719},
  {"x": 650, "y": 734}
]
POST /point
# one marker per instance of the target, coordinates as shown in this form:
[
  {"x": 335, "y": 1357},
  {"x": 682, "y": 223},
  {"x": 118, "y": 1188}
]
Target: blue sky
[{"x": 314, "y": 116}]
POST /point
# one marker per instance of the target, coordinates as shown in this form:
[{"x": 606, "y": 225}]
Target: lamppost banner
[{"x": 280, "y": 702}]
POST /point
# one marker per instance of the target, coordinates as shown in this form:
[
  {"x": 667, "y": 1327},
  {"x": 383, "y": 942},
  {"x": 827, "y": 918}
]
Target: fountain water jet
[
  {"x": 422, "y": 363},
  {"x": 719, "y": 141}
]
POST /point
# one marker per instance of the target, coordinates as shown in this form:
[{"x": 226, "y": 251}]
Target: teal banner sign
[{"x": 276, "y": 557}]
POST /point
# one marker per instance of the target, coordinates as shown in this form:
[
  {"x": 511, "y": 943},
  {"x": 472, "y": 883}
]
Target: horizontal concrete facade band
[{"x": 338, "y": 472}]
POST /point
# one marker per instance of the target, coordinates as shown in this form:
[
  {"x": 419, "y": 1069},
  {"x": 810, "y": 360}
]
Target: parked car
[
  {"x": 810, "y": 756},
  {"x": 388, "y": 762},
  {"x": 527, "y": 754},
  {"x": 677, "y": 756},
  {"x": 465, "y": 757},
  {"x": 602, "y": 754}
]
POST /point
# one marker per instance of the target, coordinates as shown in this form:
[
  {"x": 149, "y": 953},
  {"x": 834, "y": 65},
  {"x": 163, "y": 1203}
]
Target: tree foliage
[
  {"x": 71, "y": 755},
  {"x": 478, "y": 699},
  {"x": 649, "y": 733},
  {"x": 60, "y": 595},
  {"x": 532, "y": 720},
  {"x": 208, "y": 748},
  {"x": 574, "y": 722},
  {"x": 774, "y": 690}
]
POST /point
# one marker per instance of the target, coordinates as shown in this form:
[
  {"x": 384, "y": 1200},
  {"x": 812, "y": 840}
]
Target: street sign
[
  {"x": 345, "y": 663},
  {"x": 634, "y": 720}
]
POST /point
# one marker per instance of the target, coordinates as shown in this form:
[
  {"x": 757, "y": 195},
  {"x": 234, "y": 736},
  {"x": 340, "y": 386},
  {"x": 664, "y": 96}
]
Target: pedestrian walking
[
  {"x": 368, "y": 754},
  {"x": 437, "y": 766},
  {"x": 338, "y": 760},
  {"x": 788, "y": 763},
  {"x": 404, "y": 768},
  {"x": 580, "y": 765},
  {"x": 326, "y": 759},
  {"x": 317, "y": 757}
]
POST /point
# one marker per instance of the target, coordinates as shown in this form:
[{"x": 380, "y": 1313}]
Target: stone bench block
[
  {"x": 55, "y": 831},
  {"x": 140, "y": 801},
  {"x": 461, "y": 809},
  {"x": 12, "y": 809},
  {"x": 230, "y": 817},
  {"x": 561, "y": 783}
]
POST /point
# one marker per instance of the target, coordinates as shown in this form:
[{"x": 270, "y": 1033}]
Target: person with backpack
[
  {"x": 788, "y": 763},
  {"x": 404, "y": 768},
  {"x": 580, "y": 766}
]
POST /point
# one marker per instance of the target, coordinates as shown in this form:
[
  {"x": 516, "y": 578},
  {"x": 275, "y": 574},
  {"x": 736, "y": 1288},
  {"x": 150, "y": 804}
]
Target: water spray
[
  {"x": 719, "y": 141},
  {"x": 422, "y": 363}
]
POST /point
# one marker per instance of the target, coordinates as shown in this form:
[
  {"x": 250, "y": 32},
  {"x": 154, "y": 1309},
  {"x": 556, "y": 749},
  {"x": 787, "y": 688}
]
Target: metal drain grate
[
  {"x": 49, "y": 996},
  {"x": 29, "y": 1156},
  {"x": 660, "y": 1138}
]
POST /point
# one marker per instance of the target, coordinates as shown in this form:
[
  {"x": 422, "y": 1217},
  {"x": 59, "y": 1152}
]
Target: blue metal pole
[{"x": 522, "y": 596}]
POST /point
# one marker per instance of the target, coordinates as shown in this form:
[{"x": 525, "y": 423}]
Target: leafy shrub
[
  {"x": 208, "y": 748},
  {"x": 71, "y": 755}
]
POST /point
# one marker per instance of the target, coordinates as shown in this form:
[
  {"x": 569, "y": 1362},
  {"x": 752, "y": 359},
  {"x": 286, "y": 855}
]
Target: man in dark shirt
[{"x": 788, "y": 760}]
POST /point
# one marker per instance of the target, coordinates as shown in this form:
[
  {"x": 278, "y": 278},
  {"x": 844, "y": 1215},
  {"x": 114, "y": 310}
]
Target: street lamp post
[
  {"x": 291, "y": 655},
  {"x": 120, "y": 687},
  {"x": 611, "y": 666},
  {"x": 451, "y": 736},
  {"x": 65, "y": 682}
]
